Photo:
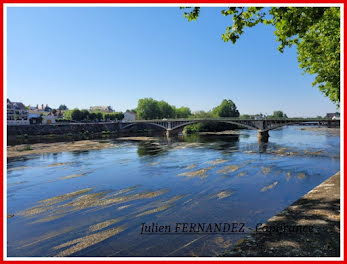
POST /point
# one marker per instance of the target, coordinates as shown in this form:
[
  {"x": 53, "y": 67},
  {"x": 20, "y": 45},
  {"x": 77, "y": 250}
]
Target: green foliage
[
  {"x": 314, "y": 30},
  {"x": 84, "y": 114},
  {"x": 92, "y": 116},
  {"x": 245, "y": 116},
  {"x": 119, "y": 115},
  {"x": 113, "y": 116},
  {"x": 194, "y": 128},
  {"x": 193, "y": 14},
  {"x": 278, "y": 115},
  {"x": 319, "y": 53},
  {"x": 147, "y": 108},
  {"x": 67, "y": 115},
  {"x": 199, "y": 127},
  {"x": 210, "y": 126},
  {"x": 203, "y": 114},
  {"x": 62, "y": 107},
  {"x": 183, "y": 112},
  {"x": 166, "y": 110},
  {"x": 76, "y": 115},
  {"x": 226, "y": 109},
  {"x": 99, "y": 116}
]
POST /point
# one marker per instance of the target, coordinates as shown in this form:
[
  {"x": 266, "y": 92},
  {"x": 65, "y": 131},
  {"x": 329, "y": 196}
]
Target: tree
[
  {"x": 314, "y": 30},
  {"x": 107, "y": 116},
  {"x": 203, "y": 114},
  {"x": 84, "y": 114},
  {"x": 99, "y": 116},
  {"x": 113, "y": 116},
  {"x": 67, "y": 115},
  {"x": 279, "y": 114},
  {"x": 245, "y": 116},
  {"x": 166, "y": 110},
  {"x": 62, "y": 107},
  {"x": 131, "y": 110},
  {"x": 226, "y": 109},
  {"x": 76, "y": 115},
  {"x": 183, "y": 112},
  {"x": 147, "y": 108},
  {"x": 92, "y": 116},
  {"x": 119, "y": 115}
]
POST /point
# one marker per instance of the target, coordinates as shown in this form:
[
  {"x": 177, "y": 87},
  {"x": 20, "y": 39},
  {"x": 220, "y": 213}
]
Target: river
[{"x": 94, "y": 202}]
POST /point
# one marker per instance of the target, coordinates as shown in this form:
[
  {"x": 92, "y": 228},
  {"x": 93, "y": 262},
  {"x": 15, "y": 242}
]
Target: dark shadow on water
[
  {"x": 262, "y": 146},
  {"x": 163, "y": 144},
  {"x": 148, "y": 148},
  {"x": 324, "y": 241},
  {"x": 217, "y": 142}
]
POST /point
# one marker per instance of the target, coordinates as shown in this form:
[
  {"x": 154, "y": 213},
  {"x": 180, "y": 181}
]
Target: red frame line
[{"x": 2, "y": 216}]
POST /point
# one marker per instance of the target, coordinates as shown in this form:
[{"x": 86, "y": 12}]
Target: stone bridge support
[
  {"x": 171, "y": 132},
  {"x": 263, "y": 135}
]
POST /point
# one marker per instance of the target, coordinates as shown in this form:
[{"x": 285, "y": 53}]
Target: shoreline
[
  {"x": 319, "y": 208},
  {"x": 67, "y": 146},
  {"x": 56, "y": 147}
]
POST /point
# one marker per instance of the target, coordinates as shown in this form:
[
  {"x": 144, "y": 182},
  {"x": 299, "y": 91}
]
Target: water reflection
[
  {"x": 151, "y": 148},
  {"x": 163, "y": 145},
  {"x": 262, "y": 146}
]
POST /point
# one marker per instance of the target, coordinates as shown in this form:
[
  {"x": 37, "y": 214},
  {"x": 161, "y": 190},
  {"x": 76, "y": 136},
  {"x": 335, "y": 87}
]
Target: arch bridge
[{"x": 262, "y": 126}]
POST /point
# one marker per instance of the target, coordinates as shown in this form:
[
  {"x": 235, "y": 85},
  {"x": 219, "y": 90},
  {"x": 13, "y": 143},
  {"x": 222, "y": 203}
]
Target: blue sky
[{"x": 82, "y": 56}]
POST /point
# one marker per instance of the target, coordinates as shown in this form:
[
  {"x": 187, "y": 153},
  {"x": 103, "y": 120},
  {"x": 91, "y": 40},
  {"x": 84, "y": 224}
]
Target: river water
[{"x": 93, "y": 203}]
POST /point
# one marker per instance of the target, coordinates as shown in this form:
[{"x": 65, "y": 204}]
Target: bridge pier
[
  {"x": 171, "y": 132},
  {"x": 263, "y": 135},
  {"x": 168, "y": 132}
]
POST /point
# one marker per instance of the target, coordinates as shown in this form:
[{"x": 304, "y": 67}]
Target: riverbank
[
  {"x": 79, "y": 145},
  {"x": 41, "y": 148},
  {"x": 319, "y": 208}
]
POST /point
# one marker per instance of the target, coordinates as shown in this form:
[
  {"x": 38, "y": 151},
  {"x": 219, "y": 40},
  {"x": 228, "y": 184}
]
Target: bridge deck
[{"x": 230, "y": 119}]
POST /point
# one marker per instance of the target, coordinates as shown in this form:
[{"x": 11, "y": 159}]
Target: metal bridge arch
[
  {"x": 222, "y": 121},
  {"x": 153, "y": 124},
  {"x": 285, "y": 124}
]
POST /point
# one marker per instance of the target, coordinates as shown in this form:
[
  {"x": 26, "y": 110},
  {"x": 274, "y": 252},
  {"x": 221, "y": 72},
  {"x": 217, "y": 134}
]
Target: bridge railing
[{"x": 233, "y": 119}]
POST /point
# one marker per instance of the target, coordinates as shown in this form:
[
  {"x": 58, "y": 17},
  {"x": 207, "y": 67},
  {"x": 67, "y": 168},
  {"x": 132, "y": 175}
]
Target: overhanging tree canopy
[{"x": 314, "y": 30}]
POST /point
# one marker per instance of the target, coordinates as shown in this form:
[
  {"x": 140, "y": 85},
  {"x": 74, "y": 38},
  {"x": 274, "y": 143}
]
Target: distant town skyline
[{"x": 84, "y": 57}]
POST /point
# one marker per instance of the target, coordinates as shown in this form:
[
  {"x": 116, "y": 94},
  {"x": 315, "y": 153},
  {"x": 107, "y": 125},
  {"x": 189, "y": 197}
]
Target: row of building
[{"x": 19, "y": 114}]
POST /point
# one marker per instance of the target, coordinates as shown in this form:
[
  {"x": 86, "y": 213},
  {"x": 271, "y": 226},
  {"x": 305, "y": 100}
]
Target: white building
[
  {"x": 333, "y": 116},
  {"x": 103, "y": 109},
  {"x": 33, "y": 117},
  {"x": 17, "y": 114},
  {"x": 48, "y": 119},
  {"x": 129, "y": 116}
]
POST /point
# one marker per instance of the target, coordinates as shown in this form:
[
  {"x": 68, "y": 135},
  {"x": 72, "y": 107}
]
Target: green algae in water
[
  {"x": 269, "y": 187},
  {"x": 104, "y": 224},
  {"x": 227, "y": 169},
  {"x": 87, "y": 241}
]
